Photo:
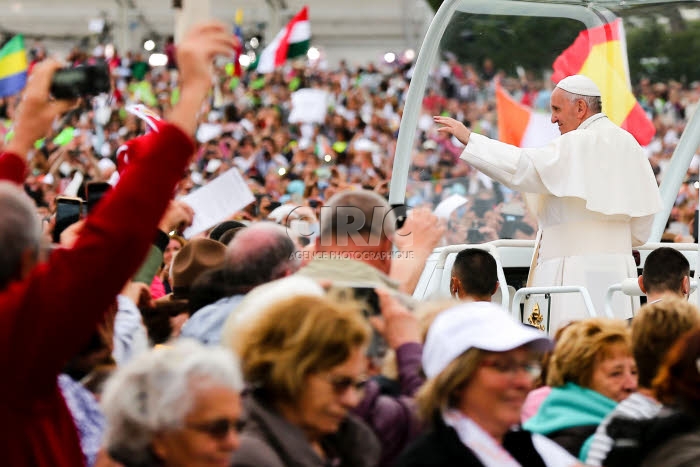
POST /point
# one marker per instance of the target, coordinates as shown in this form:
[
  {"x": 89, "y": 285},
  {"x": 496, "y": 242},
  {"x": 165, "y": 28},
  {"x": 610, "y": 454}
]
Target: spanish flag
[
  {"x": 601, "y": 54},
  {"x": 13, "y": 67}
]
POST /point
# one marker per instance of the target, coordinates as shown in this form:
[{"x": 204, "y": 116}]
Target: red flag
[{"x": 601, "y": 54}]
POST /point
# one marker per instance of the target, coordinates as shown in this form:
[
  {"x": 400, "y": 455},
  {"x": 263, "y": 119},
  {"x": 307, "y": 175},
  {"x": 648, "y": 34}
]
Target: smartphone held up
[
  {"x": 68, "y": 212},
  {"x": 94, "y": 191},
  {"x": 70, "y": 209}
]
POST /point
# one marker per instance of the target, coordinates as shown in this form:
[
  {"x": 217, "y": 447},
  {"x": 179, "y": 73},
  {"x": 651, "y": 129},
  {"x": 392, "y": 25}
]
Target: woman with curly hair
[{"x": 590, "y": 370}]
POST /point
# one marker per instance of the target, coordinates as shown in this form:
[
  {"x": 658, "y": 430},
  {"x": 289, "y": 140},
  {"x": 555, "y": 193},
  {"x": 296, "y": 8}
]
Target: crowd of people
[
  {"x": 245, "y": 124},
  {"x": 132, "y": 346}
]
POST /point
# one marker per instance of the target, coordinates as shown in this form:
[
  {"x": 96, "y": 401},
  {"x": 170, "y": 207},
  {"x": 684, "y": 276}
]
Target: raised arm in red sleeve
[{"x": 46, "y": 317}]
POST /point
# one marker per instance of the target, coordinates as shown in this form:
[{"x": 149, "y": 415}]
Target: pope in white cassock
[{"x": 593, "y": 192}]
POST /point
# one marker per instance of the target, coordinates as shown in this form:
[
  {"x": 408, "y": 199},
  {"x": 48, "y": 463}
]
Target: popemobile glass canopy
[{"x": 492, "y": 64}]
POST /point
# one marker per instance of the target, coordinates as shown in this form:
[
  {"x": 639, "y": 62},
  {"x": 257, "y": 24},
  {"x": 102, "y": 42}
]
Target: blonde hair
[
  {"x": 295, "y": 338},
  {"x": 443, "y": 391},
  {"x": 583, "y": 344}
]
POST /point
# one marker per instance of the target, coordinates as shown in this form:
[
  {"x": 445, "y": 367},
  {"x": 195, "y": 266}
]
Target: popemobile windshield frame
[{"x": 591, "y": 14}]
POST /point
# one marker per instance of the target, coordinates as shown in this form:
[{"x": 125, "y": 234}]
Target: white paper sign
[
  {"x": 447, "y": 206},
  {"x": 217, "y": 200},
  {"x": 309, "y": 106}
]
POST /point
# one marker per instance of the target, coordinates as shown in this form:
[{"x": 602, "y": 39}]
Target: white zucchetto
[{"x": 579, "y": 84}]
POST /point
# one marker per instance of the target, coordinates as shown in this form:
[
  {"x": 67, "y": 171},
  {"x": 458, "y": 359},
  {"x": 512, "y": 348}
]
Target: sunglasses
[
  {"x": 219, "y": 428},
  {"x": 341, "y": 384}
]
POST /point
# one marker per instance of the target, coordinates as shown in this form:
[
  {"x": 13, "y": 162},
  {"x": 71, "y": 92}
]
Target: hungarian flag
[
  {"x": 601, "y": 54},
  {"x": 292, "y": 41},
  {"x": 520, "y": 125}
]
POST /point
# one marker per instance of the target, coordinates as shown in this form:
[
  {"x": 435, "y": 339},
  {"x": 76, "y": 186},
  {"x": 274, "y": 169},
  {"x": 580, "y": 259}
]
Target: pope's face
[{"x": 564, "y": 111}]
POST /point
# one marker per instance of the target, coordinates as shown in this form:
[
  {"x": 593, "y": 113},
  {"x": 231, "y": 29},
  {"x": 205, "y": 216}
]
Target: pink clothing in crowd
[
  {"x": 157, "y": 288},
  {"x": 533, "y": 402}
]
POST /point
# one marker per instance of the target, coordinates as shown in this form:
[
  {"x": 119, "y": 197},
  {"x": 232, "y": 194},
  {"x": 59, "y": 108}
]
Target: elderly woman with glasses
[
  {"x": 174, "y": 406},
  {"x": 480, "y": 365},
  {"x": 304, "y": 359},
  {"x": 590, "y": 370}
]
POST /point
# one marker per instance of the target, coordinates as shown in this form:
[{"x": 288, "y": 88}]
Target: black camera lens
[{"x": 80, "y": 81}]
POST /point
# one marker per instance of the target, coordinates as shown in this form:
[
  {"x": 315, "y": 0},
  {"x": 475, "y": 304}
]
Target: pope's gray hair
[
  {"x": 157, "y": 390},
  {"x": 594, "y": 103}
]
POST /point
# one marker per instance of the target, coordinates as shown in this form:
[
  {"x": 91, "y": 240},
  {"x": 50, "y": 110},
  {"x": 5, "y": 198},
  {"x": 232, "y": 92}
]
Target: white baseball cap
[
  {"x": 481, "y": 325},
  {"x": 579, "y": 84}
]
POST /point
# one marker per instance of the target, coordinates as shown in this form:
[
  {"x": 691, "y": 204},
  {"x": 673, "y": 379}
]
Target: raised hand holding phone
[
  {"x": 37, "y": 112},
  {"x": 195, "y": 55},
  {"x": 396, "y": 324},
  {"x": 80, "y": 81}
]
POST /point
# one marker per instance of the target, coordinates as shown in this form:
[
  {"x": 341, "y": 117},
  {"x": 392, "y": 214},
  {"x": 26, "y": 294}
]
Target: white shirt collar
[{"x": 587, "y": 122}]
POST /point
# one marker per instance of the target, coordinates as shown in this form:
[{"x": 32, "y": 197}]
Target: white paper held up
[
  {"x": 448, "y": 205},
  {"x": 217, "y": 200}
]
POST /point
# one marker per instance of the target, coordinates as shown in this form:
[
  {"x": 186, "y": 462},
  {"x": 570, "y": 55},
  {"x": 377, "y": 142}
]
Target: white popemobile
[{"x": 464, "y": 19}]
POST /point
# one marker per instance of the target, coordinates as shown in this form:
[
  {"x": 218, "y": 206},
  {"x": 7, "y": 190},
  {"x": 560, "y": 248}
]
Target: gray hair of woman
[{"x": 155, "y": 392}]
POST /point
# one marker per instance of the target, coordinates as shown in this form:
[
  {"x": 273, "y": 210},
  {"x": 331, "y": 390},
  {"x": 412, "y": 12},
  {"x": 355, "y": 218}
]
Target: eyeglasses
[
  {"x": 511, "y": 367},
  {"x": 341, "y": 384},
  {"x": 219, "y": 428}
]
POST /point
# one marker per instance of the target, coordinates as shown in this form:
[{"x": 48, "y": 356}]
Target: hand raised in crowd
[
  {"x": 397, "y": 325},
  {"x": 453, "y": 127},
  {"x": 177, "y": 217},
  {"x": 37, "y": 112},
  {"x": 422, "y": 231},
  {"x": 420, "y": 234},
  {"x": 196, "y": 52},
  {"x": 195, "y": 55}
]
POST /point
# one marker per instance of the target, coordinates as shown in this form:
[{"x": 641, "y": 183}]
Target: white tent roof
[{"x": 359, "y": 31}]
